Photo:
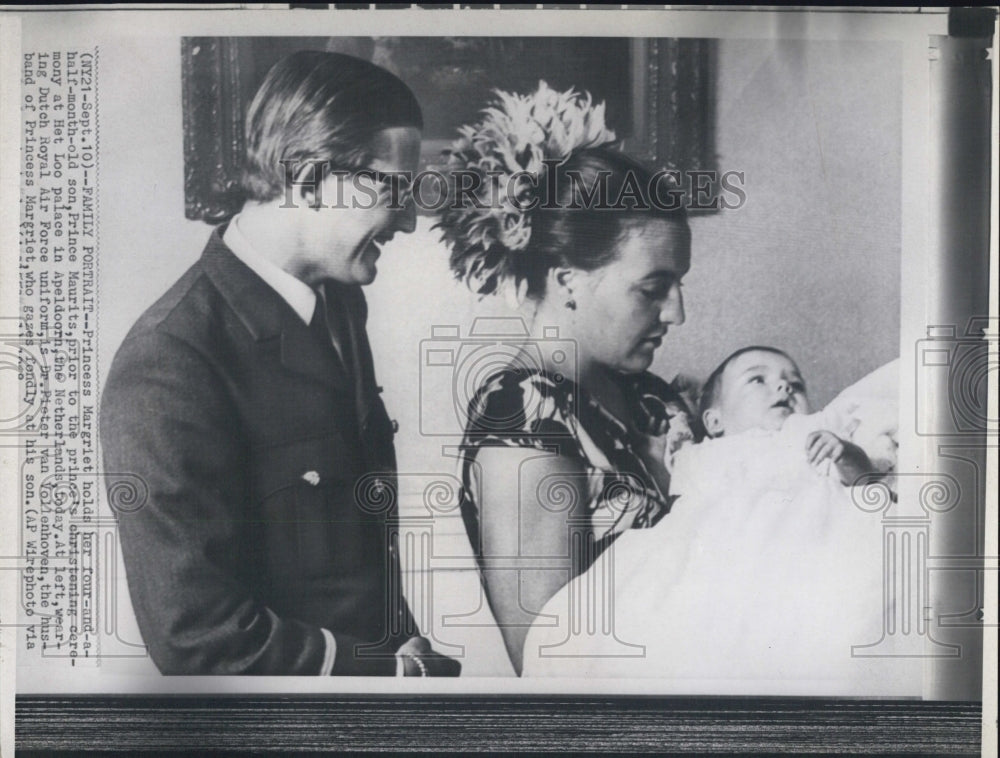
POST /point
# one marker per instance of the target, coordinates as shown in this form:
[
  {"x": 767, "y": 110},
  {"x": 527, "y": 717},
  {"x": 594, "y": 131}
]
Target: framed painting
[{"x": 659, "y": 94}]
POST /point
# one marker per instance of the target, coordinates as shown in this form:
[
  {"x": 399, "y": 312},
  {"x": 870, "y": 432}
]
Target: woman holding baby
[
  {"x": 566, "y": 447},
  {"x": 574, "y": 445}
]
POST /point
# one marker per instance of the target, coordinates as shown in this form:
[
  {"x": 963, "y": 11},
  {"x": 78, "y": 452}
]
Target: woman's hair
[
  {"x": 320, "y": 107},
  {"x": 585, "y": 205}
]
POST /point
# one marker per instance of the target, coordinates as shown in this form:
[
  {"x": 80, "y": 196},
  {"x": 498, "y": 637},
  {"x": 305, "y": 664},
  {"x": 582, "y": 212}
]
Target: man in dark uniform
[{"x": 244, "y": 401}]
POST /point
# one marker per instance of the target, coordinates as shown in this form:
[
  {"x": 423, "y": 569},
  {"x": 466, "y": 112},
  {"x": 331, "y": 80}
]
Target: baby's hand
[
  {"x": 852, "y": 462},
  {"x": 823, "y": 445}
]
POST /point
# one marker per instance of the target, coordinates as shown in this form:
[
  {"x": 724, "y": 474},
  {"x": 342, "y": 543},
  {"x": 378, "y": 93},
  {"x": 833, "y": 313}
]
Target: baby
[
  {"x": 759, "y": 388},
  {"x": 765, "y": 573}
]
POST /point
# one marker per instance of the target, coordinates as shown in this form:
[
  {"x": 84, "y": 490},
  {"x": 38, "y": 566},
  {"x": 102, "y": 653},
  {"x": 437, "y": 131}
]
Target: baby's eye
[
  {"x": 798, "y": 387},
  {"x": 756, "y": 379}
]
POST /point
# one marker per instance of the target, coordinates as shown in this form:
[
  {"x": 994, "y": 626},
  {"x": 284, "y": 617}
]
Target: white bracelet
[{"x": 420, "y": 664}]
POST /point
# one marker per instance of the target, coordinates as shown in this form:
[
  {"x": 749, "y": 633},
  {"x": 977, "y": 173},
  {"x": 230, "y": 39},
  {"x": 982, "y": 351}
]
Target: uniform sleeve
[{"x": 169, "y": 431}]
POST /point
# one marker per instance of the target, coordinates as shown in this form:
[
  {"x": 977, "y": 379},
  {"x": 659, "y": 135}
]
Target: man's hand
[
  {"x": 852, "y": 462},
  {"x": 419, "y": 659}
]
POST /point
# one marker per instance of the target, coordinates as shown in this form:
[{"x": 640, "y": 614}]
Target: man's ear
[
  {"x": 712, "y": 420},
  {"x": 308, "y": 185}
]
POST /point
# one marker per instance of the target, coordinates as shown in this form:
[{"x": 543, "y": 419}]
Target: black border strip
[{"x": 196, "y": 725}]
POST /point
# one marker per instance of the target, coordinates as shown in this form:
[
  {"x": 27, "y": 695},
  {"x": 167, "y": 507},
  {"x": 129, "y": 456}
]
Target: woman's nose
[{"x": 672, "y": 311}]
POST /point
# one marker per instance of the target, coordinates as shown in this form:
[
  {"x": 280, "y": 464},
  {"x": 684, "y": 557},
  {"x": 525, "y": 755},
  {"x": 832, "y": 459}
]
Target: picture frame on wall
[{"x": 659, "y": 94}]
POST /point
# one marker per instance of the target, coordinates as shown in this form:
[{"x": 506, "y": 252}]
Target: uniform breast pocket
[{"x": 311, "y": 525}]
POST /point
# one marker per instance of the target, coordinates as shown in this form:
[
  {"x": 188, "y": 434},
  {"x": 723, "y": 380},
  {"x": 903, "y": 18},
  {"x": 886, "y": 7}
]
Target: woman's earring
[{"x": 571, "y": 304}]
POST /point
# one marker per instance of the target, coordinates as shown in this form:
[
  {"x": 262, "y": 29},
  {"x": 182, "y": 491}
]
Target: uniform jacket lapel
[{"x": 268, "y": 317}]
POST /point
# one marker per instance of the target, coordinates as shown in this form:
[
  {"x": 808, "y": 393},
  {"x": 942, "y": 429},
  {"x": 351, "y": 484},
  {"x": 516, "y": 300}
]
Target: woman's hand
[
  {"x": 419, "y": 659},
  {"x": 852, "y": 462},
  {"x": 823, "y": 445},
  {"x": 653, "y": 447}
]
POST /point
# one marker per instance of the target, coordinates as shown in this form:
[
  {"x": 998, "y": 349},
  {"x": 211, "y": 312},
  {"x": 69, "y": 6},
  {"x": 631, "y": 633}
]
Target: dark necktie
[{"x": 320, "y": 326}]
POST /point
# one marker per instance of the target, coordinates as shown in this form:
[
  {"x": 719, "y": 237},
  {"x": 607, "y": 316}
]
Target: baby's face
[{"x": 759, "y": 390}]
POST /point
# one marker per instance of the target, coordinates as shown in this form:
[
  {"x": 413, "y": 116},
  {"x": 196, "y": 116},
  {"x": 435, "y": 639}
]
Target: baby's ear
[{"x": 712, "y": 420}]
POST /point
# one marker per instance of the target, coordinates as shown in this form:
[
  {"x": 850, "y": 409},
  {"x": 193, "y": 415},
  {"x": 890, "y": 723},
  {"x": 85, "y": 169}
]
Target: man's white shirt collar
[{"x": 299, "y": 295}]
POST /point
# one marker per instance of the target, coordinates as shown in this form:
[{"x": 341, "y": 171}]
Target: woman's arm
[{"x": 531, "y": 503}]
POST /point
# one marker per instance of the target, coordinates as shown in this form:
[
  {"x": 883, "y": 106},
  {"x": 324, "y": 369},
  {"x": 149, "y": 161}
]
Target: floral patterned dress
[{"x": 530, "y": 408}]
